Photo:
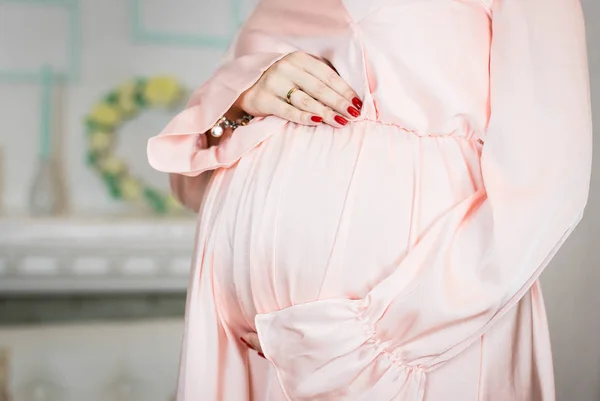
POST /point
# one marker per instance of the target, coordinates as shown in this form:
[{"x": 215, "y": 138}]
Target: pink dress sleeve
[
  {"x": 175, "y": 149},
  {"x": 484, "y": 254}
]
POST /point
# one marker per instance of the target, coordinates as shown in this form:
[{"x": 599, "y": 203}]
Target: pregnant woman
[{"x": 376, "y": 232}]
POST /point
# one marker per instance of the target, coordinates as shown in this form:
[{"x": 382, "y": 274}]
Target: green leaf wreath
[{"x": 122, "y": 104}]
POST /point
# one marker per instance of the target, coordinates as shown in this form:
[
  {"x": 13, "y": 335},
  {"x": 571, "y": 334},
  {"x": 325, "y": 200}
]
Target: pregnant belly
[{"x": 316, "y": 213}]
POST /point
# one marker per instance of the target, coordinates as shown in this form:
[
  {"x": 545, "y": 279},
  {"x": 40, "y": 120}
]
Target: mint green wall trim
[
  {"x": 142, "y": 34},
  {"x": 33, "y": 76},
  {"x": 45, "y": 76}
]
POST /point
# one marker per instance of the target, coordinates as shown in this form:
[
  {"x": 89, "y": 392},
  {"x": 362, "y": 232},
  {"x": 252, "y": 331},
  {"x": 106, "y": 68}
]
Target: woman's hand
[
  {"x": 322, "y": 95},
  {"x": 250, "y": 340}
]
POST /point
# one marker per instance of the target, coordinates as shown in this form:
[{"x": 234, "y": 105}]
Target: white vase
[{"x": 45, "y": 197}]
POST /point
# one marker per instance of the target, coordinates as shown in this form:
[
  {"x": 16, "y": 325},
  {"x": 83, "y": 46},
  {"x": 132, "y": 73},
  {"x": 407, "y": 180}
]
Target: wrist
[
  {"x": 227, "y": 123},
  {"x": 235, "y": 112}
]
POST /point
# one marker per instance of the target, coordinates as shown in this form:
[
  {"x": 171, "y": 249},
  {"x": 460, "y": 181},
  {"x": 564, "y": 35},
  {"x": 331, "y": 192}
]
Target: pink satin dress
[{"x": 396, "y": 258}]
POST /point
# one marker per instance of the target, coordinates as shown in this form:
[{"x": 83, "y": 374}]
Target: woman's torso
[{"x": 315, "y": 213}]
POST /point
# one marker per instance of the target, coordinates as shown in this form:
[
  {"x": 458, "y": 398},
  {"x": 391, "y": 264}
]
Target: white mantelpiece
[{"x": 109, "y": 255}]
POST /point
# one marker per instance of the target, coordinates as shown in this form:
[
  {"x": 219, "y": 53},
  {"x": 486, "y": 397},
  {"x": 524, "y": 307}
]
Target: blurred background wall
[{"x": 93, "y": 271}]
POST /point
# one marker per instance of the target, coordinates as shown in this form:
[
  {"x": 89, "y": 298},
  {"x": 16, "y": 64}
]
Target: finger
[
  {"x": 304, "y": 102},
  {"x": 321, "y": 92},
  {"x": 293, "y": 114},
  {"x": 326, "y": 74},
  {"x": 275, "y": 101},
  {"x": 251, "y": 340}
]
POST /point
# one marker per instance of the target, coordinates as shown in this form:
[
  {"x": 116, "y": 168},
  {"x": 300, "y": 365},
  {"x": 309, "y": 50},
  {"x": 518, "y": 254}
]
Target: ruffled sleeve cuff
[
  {"x": 330, "y": 350},
  {"x": 176, "y": 150}
]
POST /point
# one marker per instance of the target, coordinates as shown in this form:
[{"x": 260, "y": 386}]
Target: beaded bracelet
[{"x": 224, "y": 123}]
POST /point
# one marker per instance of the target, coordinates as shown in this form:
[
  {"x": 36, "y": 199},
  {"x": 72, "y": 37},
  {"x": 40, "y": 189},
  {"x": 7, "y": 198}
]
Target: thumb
[{"x": 251, "y": 339}]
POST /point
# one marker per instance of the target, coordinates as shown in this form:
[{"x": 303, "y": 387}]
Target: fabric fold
[
  {"x": 175, "y": 149},
  {"x": 480, "y": 258},
  {"x": 462, "y": 271},
  {"x": 329, "y": 350}
]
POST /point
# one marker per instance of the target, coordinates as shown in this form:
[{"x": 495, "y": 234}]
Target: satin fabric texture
[{"x": 396, "y": 258}]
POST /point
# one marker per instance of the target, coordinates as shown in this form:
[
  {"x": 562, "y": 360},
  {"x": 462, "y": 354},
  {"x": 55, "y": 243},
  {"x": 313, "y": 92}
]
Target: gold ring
[{"x": 290, "y": 93}]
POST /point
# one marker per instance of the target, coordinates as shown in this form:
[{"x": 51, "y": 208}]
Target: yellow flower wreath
[{"x": 125, "y": 103}]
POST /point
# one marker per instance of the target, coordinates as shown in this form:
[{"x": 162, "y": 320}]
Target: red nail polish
[
  {"x": 353, "y": 112},
  {"x": 261, "y": 355},
  {"x": 316, "y": 119},
  {"x": 340, "y": 120},
  {"x": 357, "y": 102},
  {"x": 245, "y": 342}
]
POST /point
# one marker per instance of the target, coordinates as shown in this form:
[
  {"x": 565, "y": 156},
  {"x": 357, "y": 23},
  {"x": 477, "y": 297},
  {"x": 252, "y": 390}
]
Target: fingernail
[
  {"x": 353, "y": 112},
  {"x": 261, "y": 355},
  {"x": 245, "y": 342},
  {"x": 316, "y": 119},
  {"x": 340, "y": 120},
  {"x": 357, "y": 102}
]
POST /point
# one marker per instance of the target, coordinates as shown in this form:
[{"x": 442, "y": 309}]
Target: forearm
[{"x": 190, "y": 190}]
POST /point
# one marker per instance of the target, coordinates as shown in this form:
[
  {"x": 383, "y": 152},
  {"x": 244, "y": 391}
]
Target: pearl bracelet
[{"x": 224, "y": 123}]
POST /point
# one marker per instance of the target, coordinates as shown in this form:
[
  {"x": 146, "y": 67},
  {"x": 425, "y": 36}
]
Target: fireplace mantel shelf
[{"x": 98, "y": 255}]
